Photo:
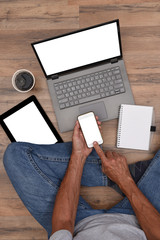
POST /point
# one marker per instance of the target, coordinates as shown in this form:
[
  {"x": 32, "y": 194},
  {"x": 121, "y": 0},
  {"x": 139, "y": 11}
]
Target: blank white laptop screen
[
  {"x": 28, "y": 125},
  {"x": 79, "y": 49}
]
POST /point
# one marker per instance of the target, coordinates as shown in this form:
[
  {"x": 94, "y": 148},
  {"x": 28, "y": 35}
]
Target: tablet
[{"x": 27, "y": 122}]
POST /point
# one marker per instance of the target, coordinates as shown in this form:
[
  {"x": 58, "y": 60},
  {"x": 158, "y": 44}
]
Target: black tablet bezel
[{"x": 21, "y": 105}]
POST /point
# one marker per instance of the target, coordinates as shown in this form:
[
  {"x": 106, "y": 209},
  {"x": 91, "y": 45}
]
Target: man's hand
[
  {"x": 79, "y": 147},
  {"x": 114, "y": 166}
]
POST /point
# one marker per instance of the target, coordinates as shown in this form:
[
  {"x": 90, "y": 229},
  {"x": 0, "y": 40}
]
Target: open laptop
[{"x": 85, "y": 72}]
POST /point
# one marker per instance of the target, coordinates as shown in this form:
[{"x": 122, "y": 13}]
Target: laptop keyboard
[{"x": 89, "y": 87}]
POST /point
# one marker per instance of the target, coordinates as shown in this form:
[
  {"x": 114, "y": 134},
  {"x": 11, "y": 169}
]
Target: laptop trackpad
[{"x": 99, "y": 109}]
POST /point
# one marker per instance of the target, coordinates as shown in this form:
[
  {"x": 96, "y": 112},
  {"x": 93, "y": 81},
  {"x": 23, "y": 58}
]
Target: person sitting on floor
[{"x": 47, "y": 178}]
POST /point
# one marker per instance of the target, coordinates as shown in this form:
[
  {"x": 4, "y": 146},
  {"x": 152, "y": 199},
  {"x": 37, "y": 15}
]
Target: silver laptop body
[{"x": 85, "y": 72}]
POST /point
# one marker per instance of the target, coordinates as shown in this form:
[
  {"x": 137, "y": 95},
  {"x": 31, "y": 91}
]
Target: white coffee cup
[{"x": 23, "y": 80}]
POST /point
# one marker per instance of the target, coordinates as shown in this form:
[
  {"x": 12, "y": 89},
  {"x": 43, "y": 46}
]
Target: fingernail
[{"x": 94, "y": 143}]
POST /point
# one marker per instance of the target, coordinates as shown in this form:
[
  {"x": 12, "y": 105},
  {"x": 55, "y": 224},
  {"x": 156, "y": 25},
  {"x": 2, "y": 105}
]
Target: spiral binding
[{"x": 119, "y": 125}]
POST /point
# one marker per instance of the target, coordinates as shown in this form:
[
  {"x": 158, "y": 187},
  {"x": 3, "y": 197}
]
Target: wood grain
[
  {"x": 32, "y": 15},
  {"x": 23, "y": 22},
  {"x": 20, "y": 227},
  {"x": 107, "y": 2},
  {"x": 140, "y": 14}
]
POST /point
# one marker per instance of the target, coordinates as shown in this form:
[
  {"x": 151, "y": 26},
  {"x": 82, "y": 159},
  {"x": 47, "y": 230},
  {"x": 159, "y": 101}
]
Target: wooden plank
[
  {"x": 36, "y": 2},
  {"x": 21, "y": 228},
  {"x": 25, "y": 16},
  {"x": 14, "y": 24},
  {"x": 145, "y": 14},
  {"x": 106, "y": 2},
  {"x": 30, "y": 9},
  {"x": 33, "y": 10},
  {"x": 12, "y": 207}
]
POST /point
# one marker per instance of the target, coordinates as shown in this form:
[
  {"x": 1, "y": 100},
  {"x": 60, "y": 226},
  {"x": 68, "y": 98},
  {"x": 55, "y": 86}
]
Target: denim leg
[
  {"x": 36, "y": 172},
  {"x": 148, "y": 183}
]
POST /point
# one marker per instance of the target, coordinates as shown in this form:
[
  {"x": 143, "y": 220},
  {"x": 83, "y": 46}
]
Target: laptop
[{"x": 85, "y": 72}]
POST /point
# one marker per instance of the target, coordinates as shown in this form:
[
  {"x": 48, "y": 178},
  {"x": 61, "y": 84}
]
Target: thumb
[
  {"x": 99, "y": 151},
  {"x": 76, "y": 129}
]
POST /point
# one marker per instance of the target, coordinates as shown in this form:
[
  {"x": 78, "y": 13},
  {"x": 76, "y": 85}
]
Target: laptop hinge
[
  {"x": 55, "y": 76},
  {"x": 114, "y": 60}
]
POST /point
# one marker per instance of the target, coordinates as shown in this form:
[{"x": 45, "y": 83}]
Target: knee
[
  {"x": 8, "y": 158},
  {"x": 12, "y": 155}
]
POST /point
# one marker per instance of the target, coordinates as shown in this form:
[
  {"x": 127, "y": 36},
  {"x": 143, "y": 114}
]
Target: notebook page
[{"x": 134, "y": 127}]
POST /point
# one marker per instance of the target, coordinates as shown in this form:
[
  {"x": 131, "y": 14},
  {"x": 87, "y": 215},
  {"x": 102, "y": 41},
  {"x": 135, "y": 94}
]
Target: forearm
[
  {"x": 67, "y": 198},
  {"x": 147, "y": 215}
]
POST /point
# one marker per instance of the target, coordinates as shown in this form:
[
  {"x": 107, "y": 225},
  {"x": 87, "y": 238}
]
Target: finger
[
  {"x": 81, "y": 134},
  {"x": 109, "y": 154},
  {"x": 80, "y": 130},
  {"x": 77, "y": 122},
  {"x": 99, "y": 123},
  {"x": 115, "y": 154},
  {"x": 120, "y": 155},
  {"x": 76, "y": 128},
  {"x": 99, "y": 151}
]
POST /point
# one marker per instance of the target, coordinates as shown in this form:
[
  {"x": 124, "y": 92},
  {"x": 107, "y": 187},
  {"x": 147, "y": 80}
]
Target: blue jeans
[{"x": 36, "y": 172}]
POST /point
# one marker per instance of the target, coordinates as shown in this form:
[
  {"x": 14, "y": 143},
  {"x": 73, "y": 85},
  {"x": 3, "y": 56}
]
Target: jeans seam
[
  {"x": 44, "y": 158},
  {"x": 38, "y": 170}
]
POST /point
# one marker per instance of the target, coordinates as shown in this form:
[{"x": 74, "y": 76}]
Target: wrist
[
  {"x": 78, "y": 158},
  {"x": 127, "y": 185}
]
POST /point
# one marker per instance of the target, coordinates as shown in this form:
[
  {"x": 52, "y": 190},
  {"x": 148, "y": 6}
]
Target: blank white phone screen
[
  {"x": 28, "y": 125},
  {"x": 79, "y": 49},
  {"x": 90, "y": 129}
]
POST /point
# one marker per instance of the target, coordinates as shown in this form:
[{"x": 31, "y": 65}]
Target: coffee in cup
[{"x": 23, "y": 80}]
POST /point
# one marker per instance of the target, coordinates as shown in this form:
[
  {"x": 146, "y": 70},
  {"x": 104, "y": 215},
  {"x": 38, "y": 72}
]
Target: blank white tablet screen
[{"x": 28, "y": 125}]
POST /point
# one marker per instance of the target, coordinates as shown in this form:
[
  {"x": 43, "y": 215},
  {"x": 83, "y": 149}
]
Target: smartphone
[{"x": 90, "y": 129}]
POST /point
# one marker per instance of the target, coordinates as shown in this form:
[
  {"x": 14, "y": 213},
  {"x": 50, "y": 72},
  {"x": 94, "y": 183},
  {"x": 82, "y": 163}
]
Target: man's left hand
[{"x": 79, "y": 147}]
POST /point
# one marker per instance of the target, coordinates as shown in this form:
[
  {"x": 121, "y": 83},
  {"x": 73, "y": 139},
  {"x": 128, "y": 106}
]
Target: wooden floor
[{"x": 26, "y": 21}]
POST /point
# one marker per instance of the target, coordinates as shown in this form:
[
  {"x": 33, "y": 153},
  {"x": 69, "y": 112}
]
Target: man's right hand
[{"x": 114, "y": 166}]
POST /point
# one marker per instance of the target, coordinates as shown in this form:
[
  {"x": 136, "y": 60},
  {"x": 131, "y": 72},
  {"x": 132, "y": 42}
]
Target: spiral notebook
[{"x": 135, "y": 126}]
